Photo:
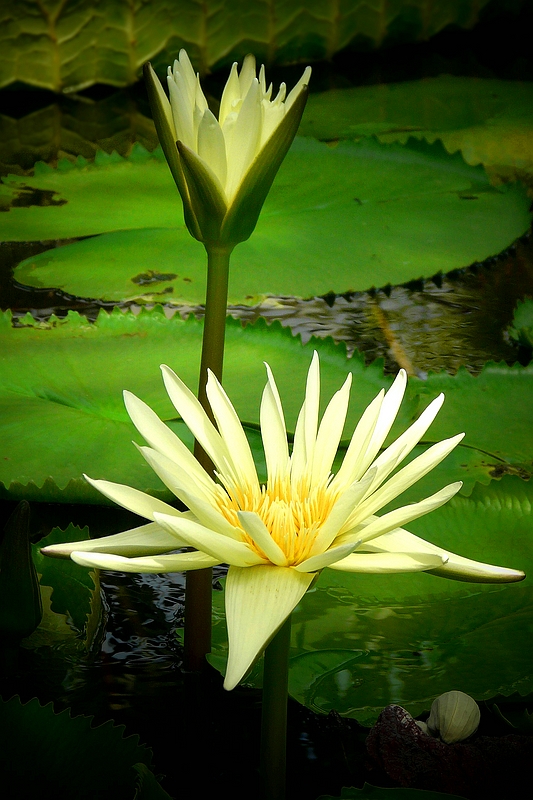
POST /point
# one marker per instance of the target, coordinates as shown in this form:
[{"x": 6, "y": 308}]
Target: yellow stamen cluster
[{"x": 292, "y": 513}]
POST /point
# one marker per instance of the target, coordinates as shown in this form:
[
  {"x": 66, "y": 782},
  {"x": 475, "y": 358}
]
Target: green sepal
[
  {"x": 20, "y": 596},
  {"x": 244, "y": 211},
  {"x": 162, "y": 114},
  {"x": 207, "y": 200}
]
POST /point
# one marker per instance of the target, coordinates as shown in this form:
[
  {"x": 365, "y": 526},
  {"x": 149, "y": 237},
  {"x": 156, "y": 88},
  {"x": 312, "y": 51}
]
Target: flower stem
[
  {"x": 274, "y": 714},
  {"x": 198, "y": 586}
]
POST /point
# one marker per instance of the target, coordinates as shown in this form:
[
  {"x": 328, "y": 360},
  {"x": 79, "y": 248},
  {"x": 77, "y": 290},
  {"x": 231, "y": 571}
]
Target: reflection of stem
[
  {"x": 274, "y": 715},
  {"x": 198, "y": 587},
  {"x": 395, "y": 346}
]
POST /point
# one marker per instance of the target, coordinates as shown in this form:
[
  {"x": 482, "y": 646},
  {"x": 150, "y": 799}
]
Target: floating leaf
[
  {"x": 68, "y": 756},
  {"x": 54, "y": 629},
  {"x": 69, "y": 128},
  {"x": 494, "y": 409},
  {"x": 75, "y": 590},
  {"x": 337, "y": 219},
  {"x": 69, "y": 392},
  {"x": 489, "y": 121},
  {"x": 68, "y": 46},
  {"x": 61, "y": 392}
]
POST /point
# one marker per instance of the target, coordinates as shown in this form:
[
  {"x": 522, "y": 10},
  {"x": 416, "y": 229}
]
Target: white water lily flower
[
  {"x": 224, "y": 167},
  {"x": 278, "y": 536}
]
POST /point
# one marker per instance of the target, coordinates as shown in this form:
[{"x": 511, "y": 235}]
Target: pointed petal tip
[
  {"x": 56, "y": 551},
  {"x": 476, "y": 572},
  {"x": 512, "y": 575},
  {"x": 228, "y": 685}
]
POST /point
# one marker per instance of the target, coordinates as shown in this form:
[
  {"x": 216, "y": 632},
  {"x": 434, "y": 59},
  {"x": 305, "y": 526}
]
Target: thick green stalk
[
  {"x": 198, "y": 586},
  {"x": 274, "y": 714}
]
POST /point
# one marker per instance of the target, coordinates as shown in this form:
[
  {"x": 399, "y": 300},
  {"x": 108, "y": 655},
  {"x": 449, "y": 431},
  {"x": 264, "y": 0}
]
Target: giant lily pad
[
  {"x": 500, "y": 393},
  {"x": 337, "y": 219},
  {"x": 490, "y": 121},
  {"x": 62, "y": 383},
  {"x": 67, "y": 46},
  {"x": 75, "y": 591},
  {"x": 360, "y": 642},
  {"x": 68, "y": 755},
  {"x": 63, "y": 415}
]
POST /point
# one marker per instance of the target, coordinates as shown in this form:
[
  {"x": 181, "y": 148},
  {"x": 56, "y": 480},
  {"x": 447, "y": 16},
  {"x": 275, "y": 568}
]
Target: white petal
[
  {"x": 258, "y": 601},
  {"x": 273, "y": 430},
  {"x": 331, "y": 556},
  {"x": 140, "y": 503},
  {"x": 194, "y": 416},
  {"x": 330, "y": 432},
  {"x": 298, "y": 460},
  {"x": 247, "y": 74},
  {"x": 388, "y": 562},
  {"x": 171, "y": 563},
  {"x": 212, "y": 147},
  {"x": 228, "y": 128},
  {"x": 312, "y": 405},
  {"x": 402, "y": 446},
  {"x": 388, "y": 412},
  {"x": 199, "y": 97},
  {"x": 232, "y": 434},
  {"x": 351, "y": 466},
  {"x": 209, "y": 516},
  {"x": 245, "y": 139},
  {"x": 307, "y": 424},
  {"x": 262, "y": 79},
  {"x": 145, "y": 540},
  {"x": 231, "y": 94},
  {"x": 161, "y": 438},
  {"x": 405, "y": 478},
  {"x": 211, "y": 542},
  {"x": 401, "y": 516},
  {"x": 257, "y": 530},
  {"x": 182, "y": 111},
  {"x": 304, "y": 81},
  {"x": 272, "y": 116},
  {"x": 455, "y": 567},
  {"x": 176, "y": 478},
  {"x": 184, "y": 68}
]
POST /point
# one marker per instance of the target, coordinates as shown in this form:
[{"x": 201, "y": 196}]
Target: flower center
[{"x": 293, "y": 514}]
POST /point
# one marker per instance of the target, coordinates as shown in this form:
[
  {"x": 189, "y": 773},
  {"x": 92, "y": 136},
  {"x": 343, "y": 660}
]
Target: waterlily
[
  {"x": 277, "y": 537},
  {"x": 224, "y": 167}
]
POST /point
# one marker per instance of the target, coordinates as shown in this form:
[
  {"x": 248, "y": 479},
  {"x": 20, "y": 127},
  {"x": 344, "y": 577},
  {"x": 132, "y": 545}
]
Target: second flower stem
[
  {"x": 274, "y": 714},
  {"x": 198, "y": 586}
]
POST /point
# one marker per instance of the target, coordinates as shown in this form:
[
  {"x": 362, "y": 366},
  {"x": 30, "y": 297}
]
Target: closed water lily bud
[
  {"x": 454, "y": 716},
  {"x": 224, "y": 167}
]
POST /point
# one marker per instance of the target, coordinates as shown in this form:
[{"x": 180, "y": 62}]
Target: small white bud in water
[{"x": 454, "y": 716}]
